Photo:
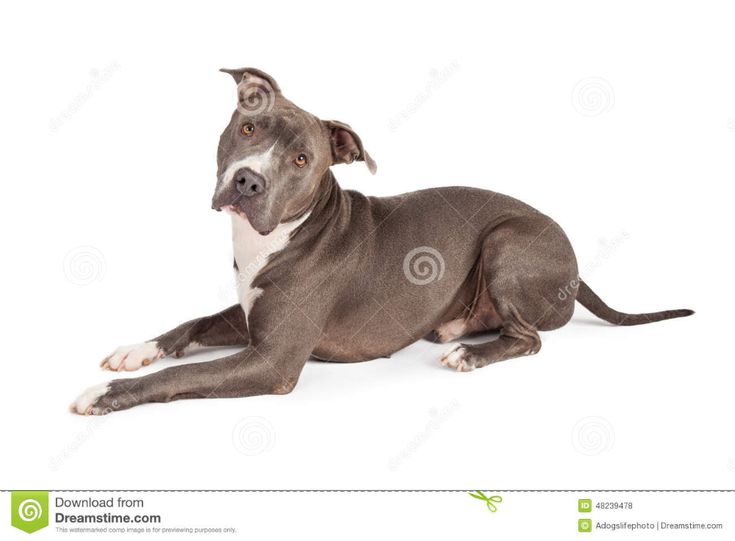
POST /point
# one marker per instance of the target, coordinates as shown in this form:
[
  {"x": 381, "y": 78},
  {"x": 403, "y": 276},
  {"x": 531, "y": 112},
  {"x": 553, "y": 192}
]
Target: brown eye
[
  {"x": 247, "y": 130},
  {"x": 301, "y": 160}
]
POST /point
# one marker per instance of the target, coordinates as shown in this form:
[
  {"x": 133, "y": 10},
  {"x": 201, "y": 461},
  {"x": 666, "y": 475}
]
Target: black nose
[{"x": 249, "y": 183}]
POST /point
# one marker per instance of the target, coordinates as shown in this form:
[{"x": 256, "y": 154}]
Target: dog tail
[{"x": 595, "y": 304}]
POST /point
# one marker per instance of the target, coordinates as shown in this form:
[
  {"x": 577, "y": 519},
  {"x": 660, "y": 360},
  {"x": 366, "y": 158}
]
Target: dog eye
[
  {"x": 247, "y": 130},
  {"x": 301, "y": 160}
]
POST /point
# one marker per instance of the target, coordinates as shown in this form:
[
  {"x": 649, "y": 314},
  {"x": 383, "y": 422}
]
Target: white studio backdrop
[{"x": 618, "y": 121}]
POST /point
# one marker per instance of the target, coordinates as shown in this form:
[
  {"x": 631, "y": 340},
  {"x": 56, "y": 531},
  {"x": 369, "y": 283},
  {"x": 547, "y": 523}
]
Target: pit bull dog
[{"x": 332, "y": 274}]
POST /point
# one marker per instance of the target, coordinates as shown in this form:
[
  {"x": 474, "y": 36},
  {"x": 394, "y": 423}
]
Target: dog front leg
[
  {"x": 268, "y": 368},
  {"x": 226, "y": 328}
]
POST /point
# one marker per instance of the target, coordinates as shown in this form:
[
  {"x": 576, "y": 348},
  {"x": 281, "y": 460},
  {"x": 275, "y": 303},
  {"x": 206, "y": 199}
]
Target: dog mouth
[
  {"x": 229, "y": 207},
  {"x": 235, "y": 210}
]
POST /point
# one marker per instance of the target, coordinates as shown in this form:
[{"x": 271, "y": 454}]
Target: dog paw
[
  {"x": 451, "y": 330},
  {"x": 132, "y": 357},
  {"x": 458, "y": 358},
  {"x": 102, "y": 399},
  {"x": 88, "y": 401}
]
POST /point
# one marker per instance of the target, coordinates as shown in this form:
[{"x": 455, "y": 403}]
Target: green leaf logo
[
  {"x": 29, "y": 510},
  {"x": 490, "y": 501}
]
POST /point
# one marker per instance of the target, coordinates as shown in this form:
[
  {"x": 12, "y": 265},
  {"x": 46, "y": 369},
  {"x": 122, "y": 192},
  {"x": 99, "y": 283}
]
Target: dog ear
[
  {"x": 253, "y": 76},
  {"x": 256, "y": 90},
  {"x": 347, "y": 146}
]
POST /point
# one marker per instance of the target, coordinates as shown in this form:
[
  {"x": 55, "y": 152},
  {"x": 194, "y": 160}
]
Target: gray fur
[{"x": 340, "y": 290}]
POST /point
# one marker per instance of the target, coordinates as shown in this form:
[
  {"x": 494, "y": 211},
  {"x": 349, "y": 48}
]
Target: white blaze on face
[
  {"x": 259, "y": 163},
  {"x": 252, "y": 251}
]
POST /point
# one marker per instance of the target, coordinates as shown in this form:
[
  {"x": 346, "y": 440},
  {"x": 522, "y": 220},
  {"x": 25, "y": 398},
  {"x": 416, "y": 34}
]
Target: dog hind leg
[
  {"x": 517, "y": 338},
  {"x": 527, "y": 261}
]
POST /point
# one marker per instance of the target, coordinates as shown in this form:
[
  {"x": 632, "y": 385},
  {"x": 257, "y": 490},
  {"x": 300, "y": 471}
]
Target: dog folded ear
[
  {"x": 256, "y": 90},
  {"x": 347, "y": 146},
  {"x": 253, "y": 76}
]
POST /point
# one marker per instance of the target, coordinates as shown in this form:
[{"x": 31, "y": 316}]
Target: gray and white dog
[{"x": 332, "y": 274}]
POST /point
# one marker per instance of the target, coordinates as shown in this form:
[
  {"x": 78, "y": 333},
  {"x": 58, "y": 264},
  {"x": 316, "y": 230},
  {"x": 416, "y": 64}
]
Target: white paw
[
  {"x": 451, "y": 330},
  {"x": 457, "y": 358},
  {"x": 133, "y": 356},
  {"x": 86, "y": 401}
]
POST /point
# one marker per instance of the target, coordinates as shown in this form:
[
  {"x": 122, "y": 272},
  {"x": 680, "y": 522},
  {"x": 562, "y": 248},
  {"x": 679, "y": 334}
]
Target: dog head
[{"x": 273, "y": 155}]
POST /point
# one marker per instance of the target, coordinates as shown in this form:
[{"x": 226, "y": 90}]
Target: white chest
[{"x": 252, "y": 251}]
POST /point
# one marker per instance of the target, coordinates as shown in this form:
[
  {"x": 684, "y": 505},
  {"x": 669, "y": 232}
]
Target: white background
[{"x": 617, "y": 120}]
